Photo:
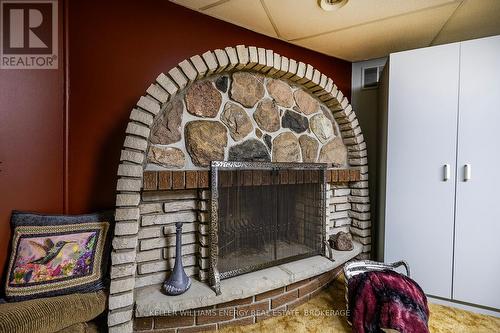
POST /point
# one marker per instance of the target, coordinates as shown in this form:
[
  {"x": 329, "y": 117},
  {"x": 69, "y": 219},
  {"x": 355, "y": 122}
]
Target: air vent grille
[{"x": 371, "y": 76}]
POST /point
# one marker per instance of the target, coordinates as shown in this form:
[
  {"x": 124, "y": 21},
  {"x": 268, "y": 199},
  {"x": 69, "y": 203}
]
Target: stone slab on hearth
[{"x": 150, "y": 301}]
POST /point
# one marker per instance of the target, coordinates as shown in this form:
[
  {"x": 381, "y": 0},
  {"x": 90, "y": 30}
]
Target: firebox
[{"x": 264, "y": 214}]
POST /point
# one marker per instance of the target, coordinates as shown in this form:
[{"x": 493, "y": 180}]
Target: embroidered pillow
[{"x": 56, "y": 255}]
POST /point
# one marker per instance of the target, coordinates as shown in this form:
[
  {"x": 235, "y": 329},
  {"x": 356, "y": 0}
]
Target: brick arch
[{"x": 158, "y": 95}]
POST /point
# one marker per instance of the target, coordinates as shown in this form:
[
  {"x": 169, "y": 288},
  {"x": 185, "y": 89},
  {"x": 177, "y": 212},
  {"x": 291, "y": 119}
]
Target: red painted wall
[
  {"x": 115, "y": 50},
  {"x": 115, "y": 53},
  {"x": 31, "y": 143}
]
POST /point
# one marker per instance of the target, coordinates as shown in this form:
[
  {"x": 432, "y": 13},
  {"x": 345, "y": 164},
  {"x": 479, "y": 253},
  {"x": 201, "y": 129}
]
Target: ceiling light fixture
[{"x": 330, "y": 5}]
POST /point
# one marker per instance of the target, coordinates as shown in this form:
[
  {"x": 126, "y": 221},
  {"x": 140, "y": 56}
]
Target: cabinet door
[
  {"x": 477, "y": 225},
  {"x": 421, "y": 140}
]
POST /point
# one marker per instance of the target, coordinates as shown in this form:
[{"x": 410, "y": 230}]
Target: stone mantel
[{"x": 150, "y": 301}]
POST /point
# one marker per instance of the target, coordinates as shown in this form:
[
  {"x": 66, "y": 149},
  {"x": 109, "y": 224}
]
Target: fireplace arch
[{"x": 156, "y": 142}]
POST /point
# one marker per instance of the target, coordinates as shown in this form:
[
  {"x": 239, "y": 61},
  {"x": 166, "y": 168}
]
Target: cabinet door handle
[
  {"x": 446, "y": 172},
  {"x": 467, "y": 172}
]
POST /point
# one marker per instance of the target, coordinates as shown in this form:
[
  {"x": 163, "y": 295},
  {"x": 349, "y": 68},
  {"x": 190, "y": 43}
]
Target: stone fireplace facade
[{"x": 243, "y": 104}]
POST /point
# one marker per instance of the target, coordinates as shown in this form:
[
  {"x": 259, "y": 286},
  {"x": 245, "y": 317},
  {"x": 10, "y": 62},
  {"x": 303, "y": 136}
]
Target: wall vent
[{"x": 370, "y": 77}]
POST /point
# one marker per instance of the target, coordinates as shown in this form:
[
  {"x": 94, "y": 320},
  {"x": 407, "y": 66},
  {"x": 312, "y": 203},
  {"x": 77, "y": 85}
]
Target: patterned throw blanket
[{"x": 386, "y": 299}]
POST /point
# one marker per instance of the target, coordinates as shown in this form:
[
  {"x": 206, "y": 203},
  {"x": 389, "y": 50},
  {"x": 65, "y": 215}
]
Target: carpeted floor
[{"x": 324, "y": 313}]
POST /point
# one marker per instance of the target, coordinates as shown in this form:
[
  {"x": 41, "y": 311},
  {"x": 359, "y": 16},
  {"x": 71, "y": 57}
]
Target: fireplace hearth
[{"x": 264, "y": 214}]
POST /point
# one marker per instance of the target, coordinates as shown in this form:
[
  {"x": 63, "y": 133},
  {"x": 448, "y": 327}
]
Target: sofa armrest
[{"x": 51, "y": 314}]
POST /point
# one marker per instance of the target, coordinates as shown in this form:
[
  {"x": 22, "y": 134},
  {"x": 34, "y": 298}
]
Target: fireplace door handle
[
  {"x": 446, "y": 172},
  {"x": 467, "y": 172}
]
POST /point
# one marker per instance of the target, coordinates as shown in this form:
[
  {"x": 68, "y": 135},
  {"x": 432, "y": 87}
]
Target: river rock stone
[
  {"x": 258, "y": 133},
  {"x": 249, "y": 151},
  {"x": 327, "y": 113},
  {"x": 203, "y": 100},
  {"x": 305, "y": 102},
  {"x": 268, "y": 141},
  {"x": 237, "y": 120},
  {"x": 286, "y": 148},
  {"x": 267, "y": 115},
  {"x": 334, "y": 152},
  {"x": 341, "y": 241},
  {"x": 321, "y": 127},
  {"x": 221, "y": 83},
  {"x": 167, "y": 128},
  {"x": 309, "y": 147},
  {"x": 281, "y": 92},
  {"x": 294, "y": 121},
  {"x": 167, "y": 157},
  {"x": 330, "y": 117},
  {"x": 205, "y": 141},
  {"x": 247, "y": 88}
]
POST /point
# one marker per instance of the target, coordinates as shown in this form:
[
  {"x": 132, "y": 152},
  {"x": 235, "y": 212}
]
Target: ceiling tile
[
  {"x": 300, "y": 18},
  {"x": 474, "y": 19},
  {"x": 194, "y": 4},
  {"x": 246, "y": 13},
  {"x": 378, "y": 39}
]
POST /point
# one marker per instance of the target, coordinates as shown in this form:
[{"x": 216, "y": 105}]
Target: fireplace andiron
[{"x": 178, "y": 282}]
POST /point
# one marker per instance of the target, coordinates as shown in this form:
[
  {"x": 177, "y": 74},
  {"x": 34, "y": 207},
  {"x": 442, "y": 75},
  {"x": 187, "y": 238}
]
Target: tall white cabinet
[{"x": 440, "y": 191}]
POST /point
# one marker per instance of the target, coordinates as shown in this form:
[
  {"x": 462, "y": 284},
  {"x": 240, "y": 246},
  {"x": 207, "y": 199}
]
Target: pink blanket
[{"x": 386, "y": 299}]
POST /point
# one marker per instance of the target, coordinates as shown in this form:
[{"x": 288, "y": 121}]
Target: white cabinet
[
  {"x": 423, "y": 94},
  {"x": 476, "y": 277},
  {"x": 442, "y": 113}
]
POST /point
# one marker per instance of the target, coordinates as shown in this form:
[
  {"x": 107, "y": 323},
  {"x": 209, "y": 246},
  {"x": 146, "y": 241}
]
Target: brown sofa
[{"x": 64, "y": 314}]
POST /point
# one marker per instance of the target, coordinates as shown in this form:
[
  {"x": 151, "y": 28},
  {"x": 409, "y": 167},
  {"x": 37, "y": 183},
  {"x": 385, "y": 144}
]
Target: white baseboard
[{"x": 468, "y": 307}]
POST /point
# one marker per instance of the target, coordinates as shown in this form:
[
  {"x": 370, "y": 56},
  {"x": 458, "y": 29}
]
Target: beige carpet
[{"x": 324, "y": 312}]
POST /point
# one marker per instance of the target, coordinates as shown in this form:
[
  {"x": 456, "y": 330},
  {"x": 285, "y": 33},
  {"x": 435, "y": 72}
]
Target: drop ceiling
[{"x": 362, "y": 29}]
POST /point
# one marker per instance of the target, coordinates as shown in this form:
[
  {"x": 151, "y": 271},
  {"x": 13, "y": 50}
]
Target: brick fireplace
[{"x": 239, "y": 128}]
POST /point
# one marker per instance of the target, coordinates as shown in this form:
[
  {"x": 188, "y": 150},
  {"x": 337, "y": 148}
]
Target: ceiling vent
[{"x": 330, "y": 5}]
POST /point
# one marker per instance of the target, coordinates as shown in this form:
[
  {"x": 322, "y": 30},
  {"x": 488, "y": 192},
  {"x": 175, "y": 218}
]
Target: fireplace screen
[{"x": 264, "y": 214}]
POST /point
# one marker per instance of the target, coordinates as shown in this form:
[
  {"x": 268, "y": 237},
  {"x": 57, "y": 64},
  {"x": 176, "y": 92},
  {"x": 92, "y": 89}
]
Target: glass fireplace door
[{"x": 267, "y": 214}]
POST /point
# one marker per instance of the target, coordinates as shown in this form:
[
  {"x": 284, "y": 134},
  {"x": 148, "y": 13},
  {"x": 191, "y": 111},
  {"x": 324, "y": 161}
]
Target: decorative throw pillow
[{"x": 56, "y": 254}]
